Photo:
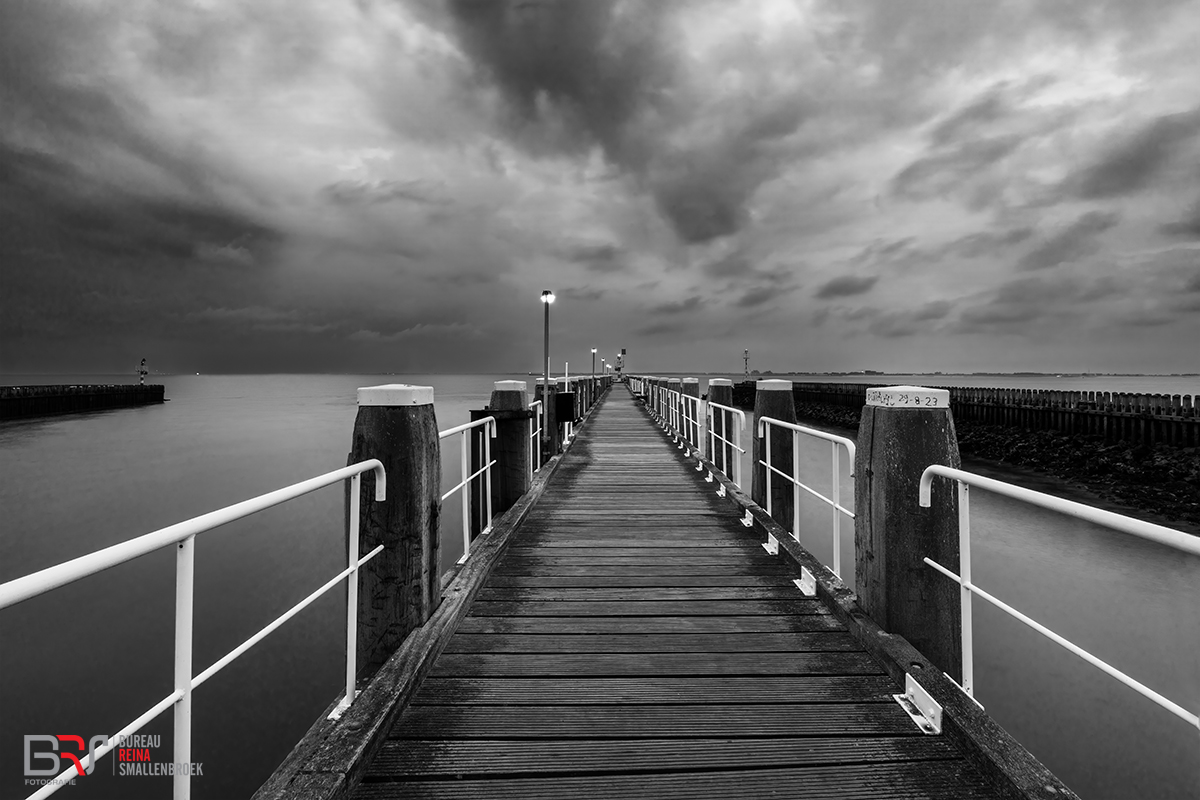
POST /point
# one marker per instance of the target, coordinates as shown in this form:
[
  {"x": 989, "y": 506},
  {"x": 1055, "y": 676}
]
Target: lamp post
[
  {"x": 547, "y": 299},
  {"x": 593, "y": 362}
]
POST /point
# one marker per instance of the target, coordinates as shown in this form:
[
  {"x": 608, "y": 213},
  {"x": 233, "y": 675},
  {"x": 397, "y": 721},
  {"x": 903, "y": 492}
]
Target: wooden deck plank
[
  {"x": 450, "y": 757},
  {"x": 557, "y": 723},
  {"x": 651, "y": 643},
  {"x": 665, "y": 608},
  {"x": 603, "y": 581},
  {"x": 731, "y": 624},
  {"x": 907, "y": 780},
  {"x": 716, "y": 690},
  {"x": 654, "y": 663}
]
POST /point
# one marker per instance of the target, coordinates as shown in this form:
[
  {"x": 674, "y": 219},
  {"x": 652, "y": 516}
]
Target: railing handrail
[
  {"x": 829, "y": 437},
  {"x": 42, "y": 581},
  {"x": 741, "y": 415},
  {"x": 184, "y": 535},
  {"x": 466, "y": 426},
  {"x": 1109, "y": 519},
  {"x": 1119, "y": 522},
  {"x": 835, "y": 502},
  {"x": 489, "y": 425}
]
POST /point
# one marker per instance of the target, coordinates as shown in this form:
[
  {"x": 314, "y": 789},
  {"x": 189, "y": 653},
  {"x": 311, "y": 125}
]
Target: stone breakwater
[
  {"x": 1161, "y": 479},
  {"x": 36, "y": 401}
]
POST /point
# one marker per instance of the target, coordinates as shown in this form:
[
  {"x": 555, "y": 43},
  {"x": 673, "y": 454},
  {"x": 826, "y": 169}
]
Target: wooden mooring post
[
  {"x": 903, "y": 430},
  {"x": 720, "y": 390},
  {"x": 773, "y": 398},
  {"x": 400, "y": 588},
  {"x": 509, "y": 406},
  {"x": 551, "y": 435}
]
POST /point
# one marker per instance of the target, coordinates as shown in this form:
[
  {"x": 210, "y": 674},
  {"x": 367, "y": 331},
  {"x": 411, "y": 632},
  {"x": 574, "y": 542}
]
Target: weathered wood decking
[{"x": 636, "y": 641}]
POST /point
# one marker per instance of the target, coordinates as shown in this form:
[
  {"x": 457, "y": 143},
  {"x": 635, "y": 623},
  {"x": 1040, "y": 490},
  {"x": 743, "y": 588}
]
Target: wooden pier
[{"x": 635, "y": 640}]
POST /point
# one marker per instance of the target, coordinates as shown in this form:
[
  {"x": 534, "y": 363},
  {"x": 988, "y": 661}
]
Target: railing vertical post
[
  {"x": 691, "y": 389},
  {"x": 903, "y": 430},
  {"x": 720, "y": 391},
  {"x": 185, "y": 572},
  {"x": 352, "y": 556},
  {"x": 674, "y": 386},
  {"x": 773, "y": 398},
  {"x": 464, "y": 460},
  {"x": 964, "y": 567},
  {"x": 401, "y": 587},
  {"x": 837, "y": 501},
  {"x": 796, "y": 485}
]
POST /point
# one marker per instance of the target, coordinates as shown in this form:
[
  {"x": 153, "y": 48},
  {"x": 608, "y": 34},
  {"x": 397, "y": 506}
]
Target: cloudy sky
[{"x": 380, "y": 185}]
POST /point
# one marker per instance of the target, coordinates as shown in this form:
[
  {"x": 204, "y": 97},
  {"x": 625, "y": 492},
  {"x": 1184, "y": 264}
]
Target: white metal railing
[
  {"x": 535, "y": 438},
  {"x": 835, "y": 501},
  {"x": 1156, "y": 533},
  {"x": 464, "y": 432},
  {"x": 183, "y": 534},
  {"x": 689, "y": 408},
  {"x": 735, "y": 444}
]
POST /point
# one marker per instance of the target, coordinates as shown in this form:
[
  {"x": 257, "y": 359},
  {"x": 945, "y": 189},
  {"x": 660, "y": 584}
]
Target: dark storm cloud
[
  {"x": 1072, "y": 243},
  {"x": 1137, "y": 162},
  {"x": 583, "y": 293},
  {"x": 1188, "y": 227},
  {"x": 352, "y": 193},
  {"x": 603, "y": 258},
  {"x": 757, "y": 297},
  {"x": 986, "y": 243},
  {"x": 847, "y": 286},
  {"x": 945, "y": 169},
  {"x": 662, "y": 328},
  {"x": 678, "y": 306},
  {"x": 606, "y": 73}
]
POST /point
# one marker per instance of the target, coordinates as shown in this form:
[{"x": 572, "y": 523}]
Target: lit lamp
[
  {"x": 593, "y": 362},
  {"x": 547, "y": 299}
]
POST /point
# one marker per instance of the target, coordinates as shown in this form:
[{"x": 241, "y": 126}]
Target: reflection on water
[{"x": 1133, "y": 603}]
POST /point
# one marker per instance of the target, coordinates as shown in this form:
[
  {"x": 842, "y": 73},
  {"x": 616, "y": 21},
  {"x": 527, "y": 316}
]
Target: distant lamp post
[
  {"x": 547, "y": 299},
  {"x": 593, "y": 362}
]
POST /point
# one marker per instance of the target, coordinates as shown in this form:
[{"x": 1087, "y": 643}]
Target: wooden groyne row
[
  {"x": 1117, "y": 416},
  {"x": 36, "y": 401}
]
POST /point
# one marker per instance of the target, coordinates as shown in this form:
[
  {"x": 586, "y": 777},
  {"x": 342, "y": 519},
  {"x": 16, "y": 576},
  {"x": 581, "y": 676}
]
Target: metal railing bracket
[
  {"x": 924, "y": 710},
  {"x": 806, "y": 583},
  {"x": 771, "y": 545}
]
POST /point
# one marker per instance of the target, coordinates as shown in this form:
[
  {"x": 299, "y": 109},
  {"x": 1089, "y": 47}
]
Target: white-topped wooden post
[
  {"x": 720, "y": 391},
  {"x": 773, "y": 398},
  {"x": 400, "y": 588},
  {"x": 903, "y": 430}
]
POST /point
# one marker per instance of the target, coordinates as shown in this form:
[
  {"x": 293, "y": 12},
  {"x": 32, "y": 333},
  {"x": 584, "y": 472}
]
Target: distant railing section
[
  {"x": 1156, "y": 533},
  {"x": 835, "y": 498},
  {"x": 731, "y": 450},
  {"x": 488, "y": 424},
  {"x": 183, "y": 535}
]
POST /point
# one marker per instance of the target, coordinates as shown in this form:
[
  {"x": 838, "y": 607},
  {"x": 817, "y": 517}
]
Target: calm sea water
[{"x": 90, "y": 657}]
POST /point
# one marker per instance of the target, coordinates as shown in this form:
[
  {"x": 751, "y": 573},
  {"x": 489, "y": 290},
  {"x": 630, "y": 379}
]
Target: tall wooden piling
[
  {"x": 773, "y": 398},
  {"x": 551, "y": 435},
  {"x": 720, "y": 390},
  {"x": 691, "y": 388},
  {"x": 509, "y": 406},
  {"x": 400, "y": 588},
  {"x": 903, "y": 430}
]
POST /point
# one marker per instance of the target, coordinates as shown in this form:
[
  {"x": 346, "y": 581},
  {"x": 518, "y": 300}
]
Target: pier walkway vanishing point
[{"x": 636, "y": 640}]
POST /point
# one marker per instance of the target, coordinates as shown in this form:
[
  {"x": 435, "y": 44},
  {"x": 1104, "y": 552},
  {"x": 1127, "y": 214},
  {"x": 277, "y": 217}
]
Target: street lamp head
[
  {"x": 547, "y": 296},
  {"x": 593, "y": 351}
]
